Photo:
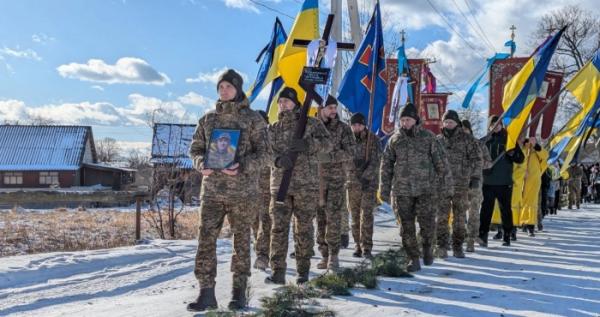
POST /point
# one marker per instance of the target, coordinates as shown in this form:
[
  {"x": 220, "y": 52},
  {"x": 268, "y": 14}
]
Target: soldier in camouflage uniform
[
  {"x": 574, "y": 182},
  {"x": 464, "y": 155},
  {"x": 225, "y": 192},
  {"x": 411, "y": 162},
  {"x": 262, "y": 221},
  {"x": 475, "y": 194},
  {"x": 301, "y": 199},
  {"x": 333, "y": 176},
  {"x": 362, "y": 186}
]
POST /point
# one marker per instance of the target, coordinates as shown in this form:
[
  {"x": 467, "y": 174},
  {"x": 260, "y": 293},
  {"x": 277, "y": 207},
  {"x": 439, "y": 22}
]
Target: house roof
[
  {"x": 30, "y": 148},
  {"x": 171, "y": 144}
]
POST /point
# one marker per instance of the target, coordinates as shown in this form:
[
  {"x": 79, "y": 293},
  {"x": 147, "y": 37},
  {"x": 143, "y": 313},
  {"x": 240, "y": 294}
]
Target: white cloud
[
  {"x": 139, "y": 112},
  {"x": 98, "y": 87},
  {"x": 18, "y": 53},
  {"x": 194, "y": 99},
  {"x": 42, "y": 38},
  {"x": 212, "y": 76},
  {"x": 241, "y": 4},
  {"x": 127, "y": 70}
]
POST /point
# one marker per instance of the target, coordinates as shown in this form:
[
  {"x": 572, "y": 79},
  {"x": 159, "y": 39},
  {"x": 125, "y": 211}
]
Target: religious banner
[
  {"x": 431, "y": 110},
  {"x": 416, "y": 69},
  {"x": 550, "y": 87},
  {"x": 502, "y": 71}
]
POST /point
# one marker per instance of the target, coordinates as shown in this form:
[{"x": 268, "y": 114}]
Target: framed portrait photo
[{"x": 222, "y": 148}]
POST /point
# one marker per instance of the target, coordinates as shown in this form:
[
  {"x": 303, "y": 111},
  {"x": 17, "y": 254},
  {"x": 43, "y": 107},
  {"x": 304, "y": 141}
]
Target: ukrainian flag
[
  {"x": 293, "y": 59},
  {"x": 585, "y": 87},
  {"x": 522, "y": 90},
  {"x": 269, "y": 70}
]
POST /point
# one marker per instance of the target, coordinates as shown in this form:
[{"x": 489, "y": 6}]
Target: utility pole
[{"x": 336, "y": 32}]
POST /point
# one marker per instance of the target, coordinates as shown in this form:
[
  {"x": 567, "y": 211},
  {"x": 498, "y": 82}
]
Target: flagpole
[
  {"x": 372, "y": 95},
  {"x": 531, "y": 121}
]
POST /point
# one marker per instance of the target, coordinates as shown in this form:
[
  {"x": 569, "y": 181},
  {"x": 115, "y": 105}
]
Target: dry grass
[{"x": 25, "y": 232}]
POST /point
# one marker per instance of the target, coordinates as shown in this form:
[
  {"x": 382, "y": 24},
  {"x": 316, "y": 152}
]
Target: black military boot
[
  {"x": 357, "y": 252},
  {"x": 344, "y": 241},
  {"x": 513, "y": 234},
  {"x": 414, "y": 265},
  {"x": 427, "y": 254},
  {"x": 277, "y": 277},
  {"x": 498, "y": 235},
  {"x": 302, "y": 277},
  {"x": 506, "y": 242},
  {"x": 368, "y": 255},
  {"x": 238, "y": 296},
  {"x": 205, "y": 301},
  {"x": 482, "y": 240}
]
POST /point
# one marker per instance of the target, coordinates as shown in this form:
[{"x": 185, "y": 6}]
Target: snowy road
[{"x": 557, "y": 273}]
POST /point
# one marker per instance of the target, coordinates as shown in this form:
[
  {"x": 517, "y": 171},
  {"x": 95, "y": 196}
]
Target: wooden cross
[
  {"x": 402, "y": 34},
  {"x": 512, "y": 34},
  {"x": 311, "y": 96}
]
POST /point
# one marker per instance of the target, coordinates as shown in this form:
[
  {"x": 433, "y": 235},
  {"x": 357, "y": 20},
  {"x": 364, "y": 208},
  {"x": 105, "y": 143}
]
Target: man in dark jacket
[{"x": 497, "y": 182}]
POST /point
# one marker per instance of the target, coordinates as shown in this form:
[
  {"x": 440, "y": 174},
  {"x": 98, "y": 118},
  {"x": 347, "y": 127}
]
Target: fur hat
[
  {"x": 358, "y": 118},
  {"x": 451, "y": 115},
  {"x": 409, "y": 111}
]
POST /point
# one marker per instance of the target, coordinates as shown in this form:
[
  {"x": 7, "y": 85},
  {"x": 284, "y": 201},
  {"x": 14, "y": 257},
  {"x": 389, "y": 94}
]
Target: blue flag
[
  {"x": 268, "y": 70},
  {"x": 357, "y": 86}
]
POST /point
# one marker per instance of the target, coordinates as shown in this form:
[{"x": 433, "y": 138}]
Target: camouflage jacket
[
  {"x": 371, "y": 172},
  {"x": 304, "y": 176},
  {"x": 252, "y": 149},
  {"x": 410, "y": 165},
  {"x": 575, "y": 174},
  {"x": 264, "y": 180},
  {"x": 337, "y": 166},
  {"x": 464, "y": 155}
]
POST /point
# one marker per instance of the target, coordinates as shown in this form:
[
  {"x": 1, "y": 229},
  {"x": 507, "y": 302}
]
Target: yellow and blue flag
[
  {"x": 522, "y": 90},
  {"x": 585, "y": 87},
  {"x": 293, "y": 59},
  {"x": 357, "y": 85},
  {"x": 268, "y": 70}
]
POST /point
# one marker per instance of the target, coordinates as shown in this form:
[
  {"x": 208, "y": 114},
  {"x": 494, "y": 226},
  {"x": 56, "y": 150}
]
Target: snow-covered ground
[{"x": 557, "y": 273}]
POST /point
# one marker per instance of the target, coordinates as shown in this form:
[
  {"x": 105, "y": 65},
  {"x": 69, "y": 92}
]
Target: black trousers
[
  {"x": 544, "y": 200},
  {"x": 503, "y": 194}
]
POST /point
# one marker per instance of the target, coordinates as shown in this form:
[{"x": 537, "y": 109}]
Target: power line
[
  {"x": 272, "y": 9},
  {"x": 483, "y": 37},
  {"x": 454, "y": 30},
  {"x": 475, "y": 19}
]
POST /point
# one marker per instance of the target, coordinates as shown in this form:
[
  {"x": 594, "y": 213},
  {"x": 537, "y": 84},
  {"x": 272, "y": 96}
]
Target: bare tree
[
  {"x": 108, "y": 150},
  {"x": 137, "y": 159},
  {"x": 41, "y": 120},
  {"x": 477, "y": 119},
  {"x": 579, "y": 42}
]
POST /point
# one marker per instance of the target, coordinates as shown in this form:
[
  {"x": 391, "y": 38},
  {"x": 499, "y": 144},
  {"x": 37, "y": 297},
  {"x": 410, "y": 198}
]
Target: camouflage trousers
[
  {"x": 261, "y": 226},
  {"x": 329, "y": 218},
  {"x": 212, "y": 216},
  {"x": 574, "y": 194},
  {"x": 458, "y": 204},
  {"x": 301, "y": 206},
  {"x": 361, "y": 204},
  {"x": 475, "y": 199},
  {"x": 345, "y": 229},
  {"x": 407, "y": 210}
]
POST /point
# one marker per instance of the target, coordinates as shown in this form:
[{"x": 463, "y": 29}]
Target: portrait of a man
[{"x": 222, "y": 148}]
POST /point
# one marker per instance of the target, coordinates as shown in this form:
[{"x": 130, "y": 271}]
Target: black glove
[
  {"x": 298, "y": 145},
  {"x": 284, "y": 162},
  {"x": 474, "y": 183},
  {"x": 364, "y": 183}
]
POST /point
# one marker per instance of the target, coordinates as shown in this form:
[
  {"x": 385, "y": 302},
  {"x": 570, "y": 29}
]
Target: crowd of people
[{"x": 453, "y": 185}]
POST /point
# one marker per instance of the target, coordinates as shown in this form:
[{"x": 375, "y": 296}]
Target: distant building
[
  {"x": 54, "y": 156},
  {"x": 171, "y": 162}
]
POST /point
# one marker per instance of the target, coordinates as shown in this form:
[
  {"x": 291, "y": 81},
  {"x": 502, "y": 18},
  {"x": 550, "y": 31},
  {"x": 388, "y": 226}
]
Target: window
[
  {"x": 13, "y": 178},
  {"x": 48, "y": 178}
]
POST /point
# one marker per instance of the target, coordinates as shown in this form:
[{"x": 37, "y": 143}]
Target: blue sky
[{"x": 111, "y": 63}]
